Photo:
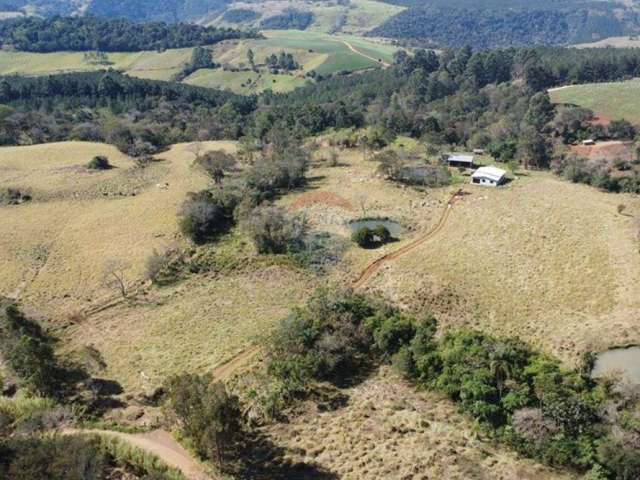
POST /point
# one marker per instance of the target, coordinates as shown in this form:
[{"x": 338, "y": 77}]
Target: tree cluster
[{"x": 33, "y": 34}]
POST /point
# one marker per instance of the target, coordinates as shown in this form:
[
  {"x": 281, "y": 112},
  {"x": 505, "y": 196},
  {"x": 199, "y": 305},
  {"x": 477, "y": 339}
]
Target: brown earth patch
[
  {"x": 321, "y": 197},
  {"x": 610, "y": 150}
]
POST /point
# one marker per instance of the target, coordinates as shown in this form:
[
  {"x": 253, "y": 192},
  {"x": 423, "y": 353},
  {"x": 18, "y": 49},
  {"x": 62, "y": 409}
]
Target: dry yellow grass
[
  {"x": 390, "y": 431},
  {"x": 53, "y": 251}
]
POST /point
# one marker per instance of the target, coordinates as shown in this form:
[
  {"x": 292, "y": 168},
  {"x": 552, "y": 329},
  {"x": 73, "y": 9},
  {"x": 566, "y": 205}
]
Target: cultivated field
[{"x": 611, "y": 100}]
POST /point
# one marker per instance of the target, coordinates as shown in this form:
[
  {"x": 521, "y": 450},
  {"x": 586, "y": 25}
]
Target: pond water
[
  {"x": 395, "y": 229},
  {"x": 619, "y": 360}
]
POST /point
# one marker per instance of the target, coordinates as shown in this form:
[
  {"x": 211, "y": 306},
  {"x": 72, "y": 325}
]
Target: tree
[
  {"x": 533, "y": 148},
  {"x": 252, "y": 59},
  {"x": 115, "y": 276},
  {"x": 272, "y": 230},
  {"x": 205, "y": 214},
  {"x": 206, "y": 413},
  {"x": 217, "y": 164}
]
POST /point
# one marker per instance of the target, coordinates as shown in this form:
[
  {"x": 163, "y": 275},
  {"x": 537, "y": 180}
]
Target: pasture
[
  {"x": 245, "y": 83},
  {"x": 614, "y": 101}
]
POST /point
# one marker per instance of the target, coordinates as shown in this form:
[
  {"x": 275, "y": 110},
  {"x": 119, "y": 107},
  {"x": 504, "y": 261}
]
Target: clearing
[{"x": 615, "y": 100}]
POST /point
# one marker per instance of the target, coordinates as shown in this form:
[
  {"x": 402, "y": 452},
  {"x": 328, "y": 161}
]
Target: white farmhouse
[{"x": 489, "y": 176}]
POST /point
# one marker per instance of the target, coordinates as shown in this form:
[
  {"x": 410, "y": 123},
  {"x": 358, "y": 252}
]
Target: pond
[
  {"x": 619, "y": 360},
  {"x": 395, "y": 229}
]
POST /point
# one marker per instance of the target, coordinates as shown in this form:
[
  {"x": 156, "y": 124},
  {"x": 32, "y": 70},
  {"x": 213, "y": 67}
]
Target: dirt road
[
  {"x": 161, "y": 444},
  {"x": 358, "y": 52},
  {"x": 371, "y": 270}
]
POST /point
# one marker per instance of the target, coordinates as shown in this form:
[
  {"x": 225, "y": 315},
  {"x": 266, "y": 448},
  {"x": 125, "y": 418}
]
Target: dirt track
[
  {"x": 358, "y": 52},
  {"x": 161, "y": 444},
  {"x": 375, "y": 266}
]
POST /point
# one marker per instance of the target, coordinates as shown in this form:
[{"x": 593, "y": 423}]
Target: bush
[
  {"x": 28, "y": 352},
  {"x": 207, "y": 414},
  {"x": 272, "y": 230},
  {"x": 99, "y": 163},
  {"x": 205, "y": 215},
  {"x": 217, "y": 164},
  {"x": 13, "y": 196},
  {"x": 366, "y": 237},
  {"x": 363, "y": 237}
]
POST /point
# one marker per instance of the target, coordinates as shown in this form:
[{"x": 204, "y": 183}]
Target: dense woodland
[
  {"x": 503, "y": 24},
  {"x": 143, "y": 115},
  {"x": 89, "y": 33}
]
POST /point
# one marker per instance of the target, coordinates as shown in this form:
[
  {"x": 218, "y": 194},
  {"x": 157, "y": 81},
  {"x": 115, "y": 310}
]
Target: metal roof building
[
  {"x": 489, "y": 176},
  {"x": 460, "y": 160}
]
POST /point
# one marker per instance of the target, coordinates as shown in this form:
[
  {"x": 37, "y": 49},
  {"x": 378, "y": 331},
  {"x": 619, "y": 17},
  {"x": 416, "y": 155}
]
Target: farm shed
[
  {"x": 589, "y": 141},
  {"x": 489, "y": 176},
  {"x": 459, "y": 160}
]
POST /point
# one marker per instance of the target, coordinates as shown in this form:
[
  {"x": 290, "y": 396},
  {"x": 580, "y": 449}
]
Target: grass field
[
  {"x": 244, "y": 82},
  {"x": 618, "y": 42},
  {"x": 154, "y": 65},
  {"x": 612, "y": 100},
  {"x": 388, "y": 430}
]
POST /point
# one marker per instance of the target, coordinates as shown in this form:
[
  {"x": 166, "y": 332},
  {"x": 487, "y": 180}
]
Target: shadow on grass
[{"x": 264, "y": 460}]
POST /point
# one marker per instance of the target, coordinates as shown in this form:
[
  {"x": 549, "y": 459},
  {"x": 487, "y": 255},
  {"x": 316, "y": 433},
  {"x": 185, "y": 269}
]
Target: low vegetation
[
  {"x": 524, "y": 398},
  {"x": 99, "y": 162}
]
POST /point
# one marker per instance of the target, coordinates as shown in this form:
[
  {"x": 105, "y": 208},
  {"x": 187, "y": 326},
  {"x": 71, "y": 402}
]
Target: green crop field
[{"x": 610, "y": 100}]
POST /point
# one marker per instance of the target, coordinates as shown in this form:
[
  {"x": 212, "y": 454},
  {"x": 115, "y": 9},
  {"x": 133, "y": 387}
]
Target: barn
[
  {"x": 489, "y": 176},
  {"x": 460, "y": 160}
]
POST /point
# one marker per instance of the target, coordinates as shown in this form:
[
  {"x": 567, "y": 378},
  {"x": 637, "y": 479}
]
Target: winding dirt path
[{"x": 373, "y": 267}]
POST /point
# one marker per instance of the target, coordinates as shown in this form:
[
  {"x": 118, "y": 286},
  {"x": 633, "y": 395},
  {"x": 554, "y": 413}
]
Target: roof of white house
[
  {"x": 494, "y": 174},
  {"x": 457, "y": 157}
]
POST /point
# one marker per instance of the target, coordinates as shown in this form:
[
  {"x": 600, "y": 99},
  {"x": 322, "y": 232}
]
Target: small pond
[
  {"x": 619, "y": 360},
  {"x": 395, "y": 229}
]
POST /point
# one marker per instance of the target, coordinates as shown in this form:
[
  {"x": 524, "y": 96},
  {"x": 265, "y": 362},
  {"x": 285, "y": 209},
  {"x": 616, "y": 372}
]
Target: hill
[
  {"x": 329, "y": 16},
  {"x": 610, "y": 101},
  {"x": 505, "y": 23}
]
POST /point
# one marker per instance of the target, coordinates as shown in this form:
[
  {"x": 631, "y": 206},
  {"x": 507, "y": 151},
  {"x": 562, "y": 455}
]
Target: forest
[
  {"x": 460, "y": 23},
  {"x": 149, "y": 115},
  {"x": 289, "y": 19},
  {"x": 34, "y": 34}
]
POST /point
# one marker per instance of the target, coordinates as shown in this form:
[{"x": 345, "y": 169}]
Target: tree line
[{"x": 54, "y": 34}]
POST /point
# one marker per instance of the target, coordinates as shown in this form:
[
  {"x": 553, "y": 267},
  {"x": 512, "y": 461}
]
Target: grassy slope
[
  {"x": 613, "y": 100},
  {"x": 244, "y": 82},
  {"x": 360, "y": 17},
  {"x": 155, "y": 65}
]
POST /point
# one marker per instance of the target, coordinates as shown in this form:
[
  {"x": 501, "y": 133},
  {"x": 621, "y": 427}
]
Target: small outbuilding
[
  {"x": 478, "y": 151},
  {"x": 460, "y": 160},
  {"x": 589, "y": 142},
  {"x": 489, "y": 176}
]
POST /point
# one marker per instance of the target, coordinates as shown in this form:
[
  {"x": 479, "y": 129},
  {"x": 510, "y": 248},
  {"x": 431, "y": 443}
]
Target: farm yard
[{"x": 614, "y": 101}]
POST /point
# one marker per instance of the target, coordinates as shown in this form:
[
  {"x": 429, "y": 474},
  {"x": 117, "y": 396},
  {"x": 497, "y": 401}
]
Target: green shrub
[
  {"x": 99, "y": 163},
  {"x": 364, "y": 237},
  {"x": 206, "y": 413},
  {"x": 205, "y": 215},
  {"x": 272, "y": 230}
]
